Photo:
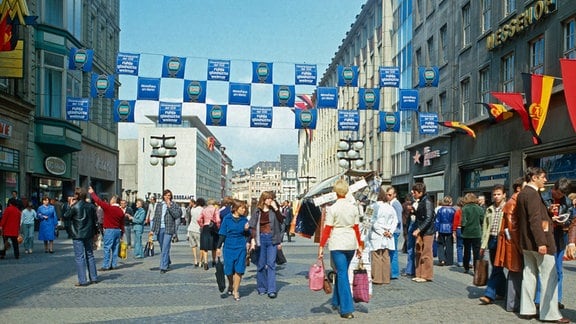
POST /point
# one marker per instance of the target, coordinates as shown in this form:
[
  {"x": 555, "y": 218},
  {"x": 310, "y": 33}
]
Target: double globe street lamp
[
  {"x": 349, "y": 154},
  {"x": 163, "y": 151}
]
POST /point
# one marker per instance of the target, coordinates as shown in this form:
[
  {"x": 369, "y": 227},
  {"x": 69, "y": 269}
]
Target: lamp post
[
  {"x": 163, "y": 151},
  {"x": 349, "y": 154},
  {"x": 307, "y": 178}
]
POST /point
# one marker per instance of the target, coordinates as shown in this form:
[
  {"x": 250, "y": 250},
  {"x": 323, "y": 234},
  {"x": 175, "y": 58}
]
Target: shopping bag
[
  {"x": 480, "y": 272},
  {"x": 360, "y": 284},
  {"x": 316, "y": 276},
  {"x": 149, "y": 249},
  {"x": 123, "y": 250},
  {"x": 20, "y": 239},
  {"x": 220, "y": 277},
  {"x": 328, "y": 281}
]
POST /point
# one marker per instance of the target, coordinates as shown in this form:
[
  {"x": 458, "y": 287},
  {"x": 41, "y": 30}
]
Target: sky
[{"x": 281, "y": 32}]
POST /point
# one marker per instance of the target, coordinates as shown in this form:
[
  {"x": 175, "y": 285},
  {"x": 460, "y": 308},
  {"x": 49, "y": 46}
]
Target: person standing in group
[
  {"x": 150, "y": 210},
  {"x": 457, "y": 230},
  {"x": 16, "y": 200},
  {"x": 496, "y": 285},
  {"x": 194, "y": 228},
  {"x": 48, "y": 224},
  {"x": 410, "y": 240},
  {"x": 191, "y": 205},
  {"x": 287, "y": 213},
  {"x": 393, "y": 201},
  {"x": 557, "y": 201},
  {"x": 164, "y": 226},
  {"x": 27, "y": 228},
  {"x": 381, "y": 239},
  {"x": 445, "y": 234},
  {"x": 113, "y": 224},
  {"x": 128, "y": 217},
  {"x": 424, "y": 233},
  {"x": 266, "y": 226},
  {"x": 82, "y": 219},
  {"x": 10, "y": 227},
  {"x": 538, "y": 249},
  {"x": 508, "y": 251},
  {"x": 138, "y": 226},
  {"x": 342, "y": 233},
  {"x": 472, "y": 218},
  {"x": 233, "y": 233},
  {"x": 209, "y": 221}
]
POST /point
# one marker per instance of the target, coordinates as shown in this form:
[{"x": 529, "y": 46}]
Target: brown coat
[
  {"x": 535, "y": 224},
  {"x": 508, "y": 252}
]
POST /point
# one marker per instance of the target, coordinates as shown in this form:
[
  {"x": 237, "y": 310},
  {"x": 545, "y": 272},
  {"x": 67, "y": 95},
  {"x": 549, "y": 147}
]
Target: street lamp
[
  {"x": 163, "y": 151},
  {"x": 349, "y": 153}
]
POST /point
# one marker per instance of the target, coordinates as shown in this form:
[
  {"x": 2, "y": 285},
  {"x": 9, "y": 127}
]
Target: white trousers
[{"x": 536, "y": 264}]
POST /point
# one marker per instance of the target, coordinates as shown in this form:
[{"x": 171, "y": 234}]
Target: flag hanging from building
[
  {"x": 458, "y": 126},
  {"x": 569, "y": 79},
  {"x": 389, "y": 121},
  {"x": 516, "y": 102},
  {"x": 124, "y": 111},
  {"x": 305, "y": 119},
  {"x": 538, "y": 90},
  {"x": 497, "y": 112},
  {"x": 8, "y": 34}
]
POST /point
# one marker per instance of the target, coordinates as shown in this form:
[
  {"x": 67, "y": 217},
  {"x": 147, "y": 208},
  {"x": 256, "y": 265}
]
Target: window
[
  {"x": 431, "y": 57},
  {"x": 508, "y": 73},
  {"x": 443, "y": 55},
  {"x": 466, "y": 25},
  {"x": 55, "y": 11},
  {"x": 486, "y": 12},
  {"x": 444, "y": 109},
  {"x": 420, "y": 8},
  {"x": 509, "y": 7},
  {"x": 418, "y": 58},
  {"x": 569, "y": 38},
  {"x": 465, "y": 99},
  {"x": 52, "y": 92},
  {"x": 430, "y": 106},
  {"x": 537, "y": 55},
  {"x": 485, "y": 85}
]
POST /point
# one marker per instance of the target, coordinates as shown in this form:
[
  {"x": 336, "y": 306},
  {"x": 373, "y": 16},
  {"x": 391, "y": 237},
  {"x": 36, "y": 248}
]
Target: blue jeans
[
  {"x": 266, "y": 275},
  {"x": 111, "y": 242},
  {"x": 138, "y": 249},
  {"x": 410, "y": 246},
  {"x": 394, "y": 266},
  {"x": 84, "y": 257},
  {"x": 497, "y": 282},
  {"x": 165, "y": 242},
  {"x": 28, "y": 234},
  {"x": 341, "y": 294},
  {"x": 459, "y": 247}
]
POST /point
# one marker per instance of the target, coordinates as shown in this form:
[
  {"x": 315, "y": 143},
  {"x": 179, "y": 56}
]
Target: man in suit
[{"x": 538, "y": 248}]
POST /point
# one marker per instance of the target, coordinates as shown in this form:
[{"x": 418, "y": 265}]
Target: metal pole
[{"x": 163, "y": 173}]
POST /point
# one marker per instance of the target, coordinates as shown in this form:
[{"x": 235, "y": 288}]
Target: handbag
[
  {"x": 328, "y": 282},
  {"x": 20, "y": 238},
  {"x": 149, "y": 249},
  {"x": 360, "y": 284},
  {"x": 220, "y": 277},
  {"x": 480, "y": 272},
  {"x": 280, "y": 257},
  {"x": 316, "y": 276},
  {"x": 123, "y": 250}
]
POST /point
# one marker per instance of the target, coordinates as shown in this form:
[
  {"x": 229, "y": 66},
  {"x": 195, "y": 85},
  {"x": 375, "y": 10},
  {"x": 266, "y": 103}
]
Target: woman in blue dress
[
  {"x": 233, "y": 234},
  {"x": 48, "y": 222}
]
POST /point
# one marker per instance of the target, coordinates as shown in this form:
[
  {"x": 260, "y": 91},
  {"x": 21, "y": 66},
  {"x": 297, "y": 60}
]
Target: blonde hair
[
  {"x": 470, "y": 198},
  {"x": 341, "y": 187}
]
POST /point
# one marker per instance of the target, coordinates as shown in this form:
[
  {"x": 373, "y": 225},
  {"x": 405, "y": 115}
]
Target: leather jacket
[
  {"x": 82, "y": 217},
  {"x": 425, "y": 216}
]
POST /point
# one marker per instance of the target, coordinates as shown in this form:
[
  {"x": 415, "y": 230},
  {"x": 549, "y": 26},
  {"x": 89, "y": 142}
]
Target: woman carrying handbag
[{"x": 341, "y": 231}]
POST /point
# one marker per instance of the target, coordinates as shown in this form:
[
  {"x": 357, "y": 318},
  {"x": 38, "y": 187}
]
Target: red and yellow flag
[
  {"x": 459, "y": 127},
  {"x": 538, "y": 90},
  {"x": 568, "y": 78},
  {"x": 497, "y": 112}
]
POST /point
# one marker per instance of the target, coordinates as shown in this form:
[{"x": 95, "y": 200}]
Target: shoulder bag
[
  {"x": 316, "y": 276},
  {"x": 360, "y": 284}
]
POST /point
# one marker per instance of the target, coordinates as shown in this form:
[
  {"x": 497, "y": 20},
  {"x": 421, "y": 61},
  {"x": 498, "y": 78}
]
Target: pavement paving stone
[{"x": 39, "y": 288}]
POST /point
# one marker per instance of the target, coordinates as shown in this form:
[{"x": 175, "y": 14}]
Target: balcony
[{"x": 57, "y": 136}]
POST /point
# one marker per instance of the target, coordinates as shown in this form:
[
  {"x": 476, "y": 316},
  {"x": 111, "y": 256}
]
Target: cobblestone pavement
[{"x": 39, "y": 288}]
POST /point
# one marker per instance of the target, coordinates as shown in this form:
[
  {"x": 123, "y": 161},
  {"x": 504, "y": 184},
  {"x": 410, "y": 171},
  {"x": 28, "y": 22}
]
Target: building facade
[
  {"x": 199, "y": 162},
  {"x": 479, "y": 56},
  {"x": 43, "y": 154},
  {"x": 369, "y": 45}
]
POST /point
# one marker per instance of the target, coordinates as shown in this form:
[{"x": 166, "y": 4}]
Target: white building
[{"x": 198, "y": 168}]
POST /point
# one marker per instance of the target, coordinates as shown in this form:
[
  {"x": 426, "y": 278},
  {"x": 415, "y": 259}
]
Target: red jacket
[
  {"x": 113, "y": 215},
  {"x": 10, "y": 222}
]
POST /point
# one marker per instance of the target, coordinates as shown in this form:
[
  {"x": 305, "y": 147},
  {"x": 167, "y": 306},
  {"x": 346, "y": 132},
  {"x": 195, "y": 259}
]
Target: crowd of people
[{"x": 525, "y": 237}]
